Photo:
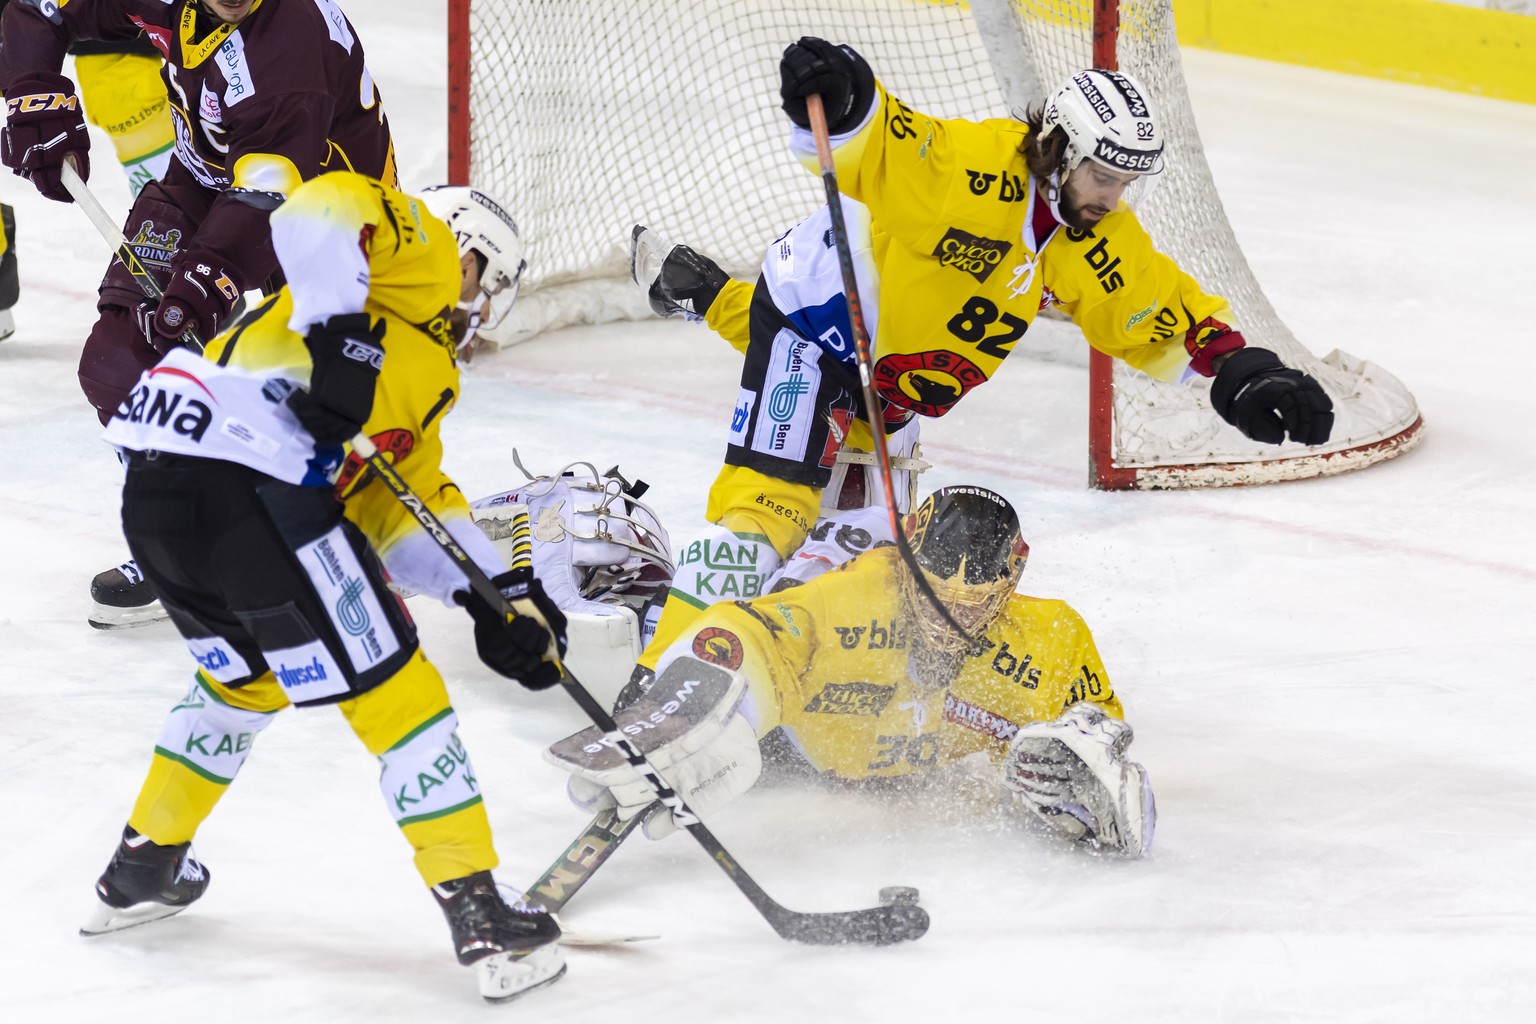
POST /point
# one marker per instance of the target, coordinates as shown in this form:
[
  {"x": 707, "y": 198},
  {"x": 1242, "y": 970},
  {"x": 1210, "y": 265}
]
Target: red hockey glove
[
  {"x": 43, "y": 125},
  {"x": 199, "y": 296}
]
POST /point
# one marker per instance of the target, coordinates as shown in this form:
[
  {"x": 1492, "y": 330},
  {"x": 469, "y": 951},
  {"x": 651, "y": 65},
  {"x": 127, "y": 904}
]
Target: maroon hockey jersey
[{"x": 258, "y": 107}]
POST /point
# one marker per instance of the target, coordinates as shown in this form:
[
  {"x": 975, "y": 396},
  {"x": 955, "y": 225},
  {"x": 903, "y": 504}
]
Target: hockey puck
[{"x": 892, "y": 894}]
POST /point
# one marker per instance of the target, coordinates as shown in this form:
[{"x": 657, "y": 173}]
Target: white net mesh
[{"x": 598, "y": 115}]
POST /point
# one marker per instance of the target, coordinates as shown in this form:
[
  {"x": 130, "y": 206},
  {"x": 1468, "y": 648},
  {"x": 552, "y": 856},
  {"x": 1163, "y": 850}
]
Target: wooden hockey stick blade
[
  {"x": 581, "y": 858},
  {"x": 598, "y": 940}
]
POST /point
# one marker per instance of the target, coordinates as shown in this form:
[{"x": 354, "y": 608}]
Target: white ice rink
[{"x": 1331, "y": 681}]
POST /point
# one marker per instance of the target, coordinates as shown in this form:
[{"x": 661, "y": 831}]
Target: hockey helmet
[
  {"x": 1108, "y": 117},
  {"x": 482, "y": 227},
  {"x": 967, "y": 543}
]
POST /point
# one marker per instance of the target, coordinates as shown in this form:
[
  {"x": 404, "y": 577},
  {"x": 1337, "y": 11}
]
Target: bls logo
[
  {"x": 1013, "y": 190},
  {"x": 980, "y": 183},
  {"x": 1104, "y": 266}
]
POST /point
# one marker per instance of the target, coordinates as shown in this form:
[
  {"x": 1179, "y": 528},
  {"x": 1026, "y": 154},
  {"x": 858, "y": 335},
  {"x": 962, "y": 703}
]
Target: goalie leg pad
[
  {"x": 690, "y": 727},
  {"x": 1072, "y": 774}
]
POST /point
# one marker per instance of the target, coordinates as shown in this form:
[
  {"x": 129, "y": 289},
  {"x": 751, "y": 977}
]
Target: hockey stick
[
  {"x": 87, "y": 201},
  {"x": 581, "y": 858},
  {"x": 874, "y": 925},
  {"x": 862, "y": 353}
]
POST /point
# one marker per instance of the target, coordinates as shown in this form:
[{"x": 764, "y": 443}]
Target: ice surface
[{"x": 1331, "y": 681}]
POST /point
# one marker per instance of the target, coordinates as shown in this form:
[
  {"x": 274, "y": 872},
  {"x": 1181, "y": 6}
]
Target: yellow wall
[{"x": 1450, "y": 46}]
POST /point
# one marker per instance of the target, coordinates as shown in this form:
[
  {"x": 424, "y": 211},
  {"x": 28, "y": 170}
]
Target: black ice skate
[
  {"x": 124, "y": 598},
  {"x": 677, "y": 280},
  {"x": 145, "y": 882},
  {"x": 512, "y": 951}
]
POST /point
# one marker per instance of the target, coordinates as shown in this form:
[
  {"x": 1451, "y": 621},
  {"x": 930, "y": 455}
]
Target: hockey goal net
[{"x": 597, "y": 115}]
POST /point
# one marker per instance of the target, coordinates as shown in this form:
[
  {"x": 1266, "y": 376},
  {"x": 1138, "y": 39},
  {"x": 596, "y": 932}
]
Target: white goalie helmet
[
  {"x": 1108, "y": 117},
  {"x": 481, "y": 226}
]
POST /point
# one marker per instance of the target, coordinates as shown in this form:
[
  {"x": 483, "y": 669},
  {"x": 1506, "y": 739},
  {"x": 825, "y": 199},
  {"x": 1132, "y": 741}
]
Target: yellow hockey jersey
[
  {"x": 962, "y": 274},
  {"x": 349, "y": 243},
  {"x": 829, "y": 662}
]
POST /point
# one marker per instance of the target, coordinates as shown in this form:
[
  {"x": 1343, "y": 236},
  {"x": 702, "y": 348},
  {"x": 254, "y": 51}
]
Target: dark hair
[{"x": 1043, "y": 153}]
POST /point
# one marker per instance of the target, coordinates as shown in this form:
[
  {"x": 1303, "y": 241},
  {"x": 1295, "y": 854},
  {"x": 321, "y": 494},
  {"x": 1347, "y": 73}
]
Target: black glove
[
  {"x": 1265, "y": 399},
  {"x": 514, "y": 647},
  {"x": 348, "y": 353},
  {"x": 199, "y": 296},
  {"x": 844, "y": 80},
  {"x": 44, "y": 124}
]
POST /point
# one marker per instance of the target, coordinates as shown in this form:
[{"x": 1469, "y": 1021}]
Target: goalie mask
[
  {"x": 967, "y": 543},
  {"x": 482, "y": 227},
  {"x": 1108, "y": 117}
]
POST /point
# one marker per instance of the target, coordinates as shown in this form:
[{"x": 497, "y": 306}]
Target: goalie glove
[
  {"x": 1072, "y": 775},
  {"x": 690, "y": 728}
]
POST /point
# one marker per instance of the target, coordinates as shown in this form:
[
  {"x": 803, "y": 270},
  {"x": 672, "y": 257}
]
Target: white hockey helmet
[
  {"x": 1108, "y": 117},
  {"x": 482, "y": 227}
]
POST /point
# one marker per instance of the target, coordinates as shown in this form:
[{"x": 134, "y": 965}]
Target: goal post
[{"x": 592, "y": 115}]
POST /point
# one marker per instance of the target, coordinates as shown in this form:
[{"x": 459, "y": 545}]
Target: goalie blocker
[{"x": 690, "y": 727}]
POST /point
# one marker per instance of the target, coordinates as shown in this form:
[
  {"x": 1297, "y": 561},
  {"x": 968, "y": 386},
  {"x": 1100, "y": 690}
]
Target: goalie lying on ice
[{"x": 865, "y": 679}]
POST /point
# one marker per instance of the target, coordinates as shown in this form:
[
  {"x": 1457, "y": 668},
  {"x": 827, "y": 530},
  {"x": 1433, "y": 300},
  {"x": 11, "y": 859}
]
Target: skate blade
[
  {"x": 107, "y": 617},
  {"x": 508, "y": 975},
  {"x": 110, "y": 919}
]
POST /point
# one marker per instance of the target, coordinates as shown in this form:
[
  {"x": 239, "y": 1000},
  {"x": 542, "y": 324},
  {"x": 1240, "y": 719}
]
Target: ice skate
[
  {"x": 512, "y": 951},
  {"x": 145, "y": 882},
  {"x": 123, "y": 598},
  {"x": 677, "y": 280}
]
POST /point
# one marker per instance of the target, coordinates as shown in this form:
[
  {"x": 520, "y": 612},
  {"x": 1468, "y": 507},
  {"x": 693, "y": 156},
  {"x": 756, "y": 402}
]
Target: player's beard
[{"x": 1074, "y": 215}]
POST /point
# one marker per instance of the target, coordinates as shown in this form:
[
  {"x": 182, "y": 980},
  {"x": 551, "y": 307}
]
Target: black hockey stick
[
  {"x": 872, "y": 926},
  {"x": 87, "y": 201},
  {"x": 862, "y": 353}
]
